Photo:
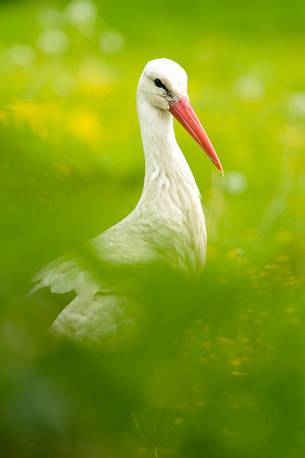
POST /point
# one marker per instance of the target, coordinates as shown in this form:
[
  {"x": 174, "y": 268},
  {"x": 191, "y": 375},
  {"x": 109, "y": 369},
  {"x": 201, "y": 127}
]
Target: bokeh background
[{"x": 216, "y": 369}]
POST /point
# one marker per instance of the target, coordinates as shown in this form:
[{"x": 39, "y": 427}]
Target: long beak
[{"x": 184, "y": 113}]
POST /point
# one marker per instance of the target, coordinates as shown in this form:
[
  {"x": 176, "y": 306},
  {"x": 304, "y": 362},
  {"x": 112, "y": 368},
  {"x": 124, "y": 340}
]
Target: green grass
[{"x": 214, "y": 369}]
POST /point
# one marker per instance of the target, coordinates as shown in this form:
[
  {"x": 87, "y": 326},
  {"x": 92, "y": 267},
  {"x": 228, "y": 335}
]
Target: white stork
[{"x": 167, "y": 223}]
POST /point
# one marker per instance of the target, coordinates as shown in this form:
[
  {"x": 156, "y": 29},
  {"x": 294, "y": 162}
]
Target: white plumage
[{"x": 167, "y": 223}]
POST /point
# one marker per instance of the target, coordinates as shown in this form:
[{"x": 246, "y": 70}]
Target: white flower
[
  {"x": 249, "y": 87},
  {"x": 81, "y": 12},
  {"x": 112, "y": 42},
  {"x": 235, "y": 183},
  {"x": 21, "y": 55},
  {"x": 297, "y": 104},
  {"x": 53, "y": 41}
]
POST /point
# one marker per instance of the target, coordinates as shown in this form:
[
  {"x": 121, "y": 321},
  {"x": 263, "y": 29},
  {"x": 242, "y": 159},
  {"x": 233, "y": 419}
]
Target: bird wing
[{"x": 96, "y": 312}]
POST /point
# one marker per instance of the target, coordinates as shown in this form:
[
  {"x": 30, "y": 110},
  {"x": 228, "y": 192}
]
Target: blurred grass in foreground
[{"x": 214, "y": 369}]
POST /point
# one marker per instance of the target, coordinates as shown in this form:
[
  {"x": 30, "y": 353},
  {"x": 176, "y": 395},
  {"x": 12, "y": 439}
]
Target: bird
[{"x": 167, "y": 223}]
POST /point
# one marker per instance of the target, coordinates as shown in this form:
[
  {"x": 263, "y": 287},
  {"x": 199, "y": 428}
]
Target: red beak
[{"x": 184, "y": 113}]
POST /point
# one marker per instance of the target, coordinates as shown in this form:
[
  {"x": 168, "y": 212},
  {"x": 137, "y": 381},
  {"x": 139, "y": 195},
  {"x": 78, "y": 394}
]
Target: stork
[{"x": 167, "y": 223}]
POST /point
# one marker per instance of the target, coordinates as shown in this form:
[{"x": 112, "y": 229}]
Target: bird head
[{"x": 163, "y": 84}]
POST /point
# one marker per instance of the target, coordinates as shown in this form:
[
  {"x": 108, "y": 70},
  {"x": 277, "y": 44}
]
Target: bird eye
[{"x": 159, "y": 83}]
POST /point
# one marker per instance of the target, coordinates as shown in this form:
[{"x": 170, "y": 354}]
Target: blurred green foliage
[{"x": 215, "y": 369}]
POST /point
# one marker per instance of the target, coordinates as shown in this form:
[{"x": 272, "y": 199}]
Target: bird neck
[
  {"x": 164, "y": 161},
  {"x": 170, "y": 200}
]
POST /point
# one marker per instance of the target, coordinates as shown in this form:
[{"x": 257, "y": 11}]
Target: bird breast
[{"x": 172, "y": 220}]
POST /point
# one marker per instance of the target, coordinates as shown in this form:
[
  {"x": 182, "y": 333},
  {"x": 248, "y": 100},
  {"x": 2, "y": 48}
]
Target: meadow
[{"x": 215, "y": 368}]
